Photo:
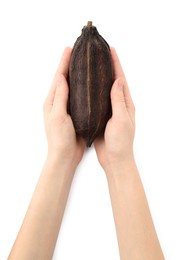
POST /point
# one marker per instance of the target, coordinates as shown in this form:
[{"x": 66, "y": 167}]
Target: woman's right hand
[{"x": 117, "y": 144}]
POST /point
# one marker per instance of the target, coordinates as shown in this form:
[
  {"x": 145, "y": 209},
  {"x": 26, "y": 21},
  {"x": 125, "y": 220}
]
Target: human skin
[
  {"x": 135, "y": 230},
  {"x": 136, "y": 234}
]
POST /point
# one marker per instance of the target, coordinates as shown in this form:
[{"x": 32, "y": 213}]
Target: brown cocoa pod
[{"x": 90, "y": 82}]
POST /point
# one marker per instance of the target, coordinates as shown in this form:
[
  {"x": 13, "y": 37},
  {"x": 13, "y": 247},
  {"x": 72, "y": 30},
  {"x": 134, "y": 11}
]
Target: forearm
[
  {"x": 38, "y": 234},
  {"x": 136, "y": 234}
]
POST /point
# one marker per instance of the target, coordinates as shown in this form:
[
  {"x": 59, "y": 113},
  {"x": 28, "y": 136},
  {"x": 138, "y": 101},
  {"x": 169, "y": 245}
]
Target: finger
[
  {"x": 62, "y": 69},
  {"x": 117, "y": 98},
  {"x": 63, "y": 66},
  {"x": 119, "y": 73},
  {"x": 61, "y": 97}
]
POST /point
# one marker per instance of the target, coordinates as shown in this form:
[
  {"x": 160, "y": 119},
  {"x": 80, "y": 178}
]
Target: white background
[{"x": 33, "y": 35}]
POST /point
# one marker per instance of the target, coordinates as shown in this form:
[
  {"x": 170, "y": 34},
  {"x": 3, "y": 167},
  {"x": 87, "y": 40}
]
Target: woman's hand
[
  {"x": 63, "y": 144},
  {"x": 117, "y": 144}
]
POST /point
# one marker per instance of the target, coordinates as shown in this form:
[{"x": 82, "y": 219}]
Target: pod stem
[{"x": 89, "y": 24}]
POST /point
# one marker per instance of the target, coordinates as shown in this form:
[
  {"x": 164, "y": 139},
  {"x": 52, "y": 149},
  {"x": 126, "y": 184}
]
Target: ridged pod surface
[{"x": 90, "y": 82}]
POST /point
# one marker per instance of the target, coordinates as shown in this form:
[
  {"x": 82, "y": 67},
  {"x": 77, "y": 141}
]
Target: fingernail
[
  {"x": 120, "y": 82},
  {"x": 59, "y": 80}
]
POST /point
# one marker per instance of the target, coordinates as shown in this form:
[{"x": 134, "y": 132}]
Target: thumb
[
  {"x": 117, "y": 97},
  {"x": 61, "y": 96}
]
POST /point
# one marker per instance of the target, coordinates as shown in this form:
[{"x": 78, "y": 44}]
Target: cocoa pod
[{"x": 90, "y": 82}]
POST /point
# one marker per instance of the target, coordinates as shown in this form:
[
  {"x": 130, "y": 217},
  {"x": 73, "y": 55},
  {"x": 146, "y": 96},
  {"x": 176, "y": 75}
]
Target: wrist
[
  {"x": 59, "y": 166},
  {"x": 120, "y": 169}
]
